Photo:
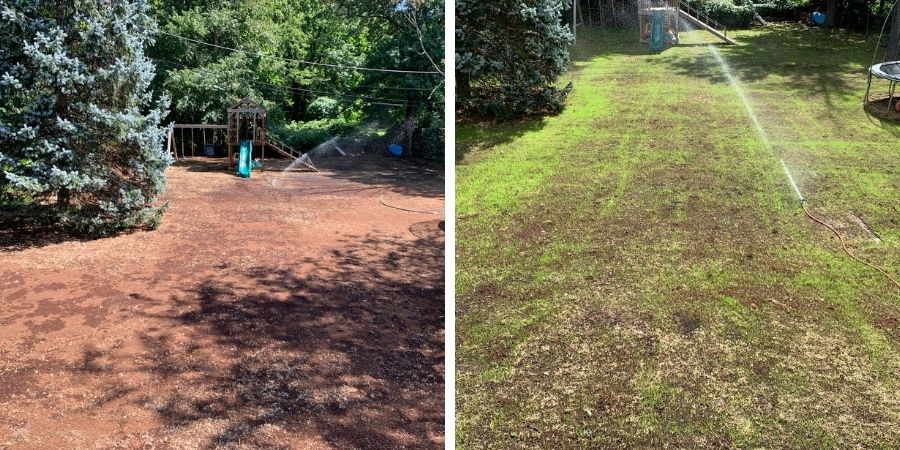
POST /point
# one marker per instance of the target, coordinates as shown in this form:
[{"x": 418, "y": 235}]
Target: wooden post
[
  {"x": 182, "y": 142},
  {"x": 410, "y": 141},
  {"x": 192, "y": 142},
  {"x": 169, "y": 144}
]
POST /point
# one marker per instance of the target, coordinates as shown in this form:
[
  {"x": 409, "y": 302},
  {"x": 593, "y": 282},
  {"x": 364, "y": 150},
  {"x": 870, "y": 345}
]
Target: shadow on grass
[
  {"x": 809, "y": 61},
  {"x": 474, "y": 133},
  {"x": 594, "y": 45},
  {"x": 351, "y": 351},
  {"x": 602, "y": 44},
  {"x": 474, "y": 136},
  {"x": 884, "y": 114}
]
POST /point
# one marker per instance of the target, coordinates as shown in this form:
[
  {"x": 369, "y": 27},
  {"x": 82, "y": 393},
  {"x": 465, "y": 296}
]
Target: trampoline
[{"x": 889, "y": 71}]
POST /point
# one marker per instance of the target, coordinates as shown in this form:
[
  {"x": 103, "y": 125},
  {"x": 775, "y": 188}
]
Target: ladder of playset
[
  {"x": 289, "y": 152},
  {"x": 703, "y": 21}
]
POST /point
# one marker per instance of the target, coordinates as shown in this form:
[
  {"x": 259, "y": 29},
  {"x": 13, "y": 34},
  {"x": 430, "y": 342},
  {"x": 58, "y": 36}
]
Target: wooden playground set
[{"x": 243, "y": 137}]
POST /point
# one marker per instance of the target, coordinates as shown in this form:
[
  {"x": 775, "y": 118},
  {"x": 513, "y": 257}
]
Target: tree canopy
[{"x": 295, "y": 56}]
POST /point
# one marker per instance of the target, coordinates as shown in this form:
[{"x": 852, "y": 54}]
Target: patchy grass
[{"x": 635, "y": 272}]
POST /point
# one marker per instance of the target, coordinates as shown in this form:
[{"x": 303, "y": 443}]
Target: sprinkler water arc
[{"x": 802, "y": 200}]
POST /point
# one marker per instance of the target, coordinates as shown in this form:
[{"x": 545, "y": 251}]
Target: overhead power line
[
  {"x": 334, "y": 66},
  {"x": 370, "y": 99}
]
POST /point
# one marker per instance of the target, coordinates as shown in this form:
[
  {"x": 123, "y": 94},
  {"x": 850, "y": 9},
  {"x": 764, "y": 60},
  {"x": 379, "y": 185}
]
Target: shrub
[
  {"x": 725, "y": 12},
  {"x": 508, "y": 102},
  {"x": 324, "y": 107},
  {"x": 305, "y": 136},
  {"x": 783, "y": 9},
  {"x": 428, "y": 137}
]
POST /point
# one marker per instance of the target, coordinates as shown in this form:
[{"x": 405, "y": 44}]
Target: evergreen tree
[
  {"x": 509, "y": 55},
  {"x": 78, "y": 122}
]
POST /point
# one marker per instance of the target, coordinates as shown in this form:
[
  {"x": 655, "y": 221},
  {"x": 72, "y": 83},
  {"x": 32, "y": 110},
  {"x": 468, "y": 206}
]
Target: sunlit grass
[{"x": 636, "y": 271}]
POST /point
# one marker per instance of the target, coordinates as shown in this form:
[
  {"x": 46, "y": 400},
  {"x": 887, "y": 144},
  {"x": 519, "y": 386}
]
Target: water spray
[
  {"x": 762, "y": 134},
  {"x": 793, "y": 184}
]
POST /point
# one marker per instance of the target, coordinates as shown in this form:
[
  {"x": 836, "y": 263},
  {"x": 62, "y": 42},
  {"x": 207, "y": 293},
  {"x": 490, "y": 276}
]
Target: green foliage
[
  {"x": 509, "y": 55},
  {"x": 428, "y": 139},
  {"x": 204, "y": 81},
  {"x": 410, "y": 34},
  {"x": 783, "y": 9},
  {"x": 305, "y": 136},
  {"x": 78, "y": 121},
  {"x": 324, "y": 107},
  {"x": 509, "y": 102},
  {"x": 731, "y": 14}
]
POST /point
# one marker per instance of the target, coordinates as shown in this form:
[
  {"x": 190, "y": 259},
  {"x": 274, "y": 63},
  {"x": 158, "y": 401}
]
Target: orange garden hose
[{"x": 844, "y": 245}]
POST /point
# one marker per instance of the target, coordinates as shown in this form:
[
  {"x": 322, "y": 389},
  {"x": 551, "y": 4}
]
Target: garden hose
[
  {"x": 381, "y": 200},
  {"x": 844, "y": 245}
]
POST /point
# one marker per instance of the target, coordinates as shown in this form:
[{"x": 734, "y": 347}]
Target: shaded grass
[{"x": 635, "y": 272}]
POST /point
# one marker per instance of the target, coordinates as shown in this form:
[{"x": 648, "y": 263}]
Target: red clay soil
[{"x": 288, "y": 310}]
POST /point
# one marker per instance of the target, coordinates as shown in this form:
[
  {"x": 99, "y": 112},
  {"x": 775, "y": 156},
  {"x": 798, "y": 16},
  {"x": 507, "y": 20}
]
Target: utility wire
[
  {"x": 334, "y": 66},
  {"x": 293, "y": 89}
]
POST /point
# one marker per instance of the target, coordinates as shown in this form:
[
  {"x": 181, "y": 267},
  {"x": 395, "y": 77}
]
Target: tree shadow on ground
[
  {"x": 604, "y": 44},
  {"x": 479, "y": 135},
  {"x": 879, "y": 111},
  {"x": 349, "y": 348},
  {"x": 807, "y": 61},
  {"x": 407, "y": 177},
  {"x": 36, "y": 226},
  {"x": 593, "y": 45}
]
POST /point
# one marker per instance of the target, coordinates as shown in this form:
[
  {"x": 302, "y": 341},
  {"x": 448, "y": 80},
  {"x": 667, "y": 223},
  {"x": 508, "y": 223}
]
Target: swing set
[{"x": 246, "y": 121}]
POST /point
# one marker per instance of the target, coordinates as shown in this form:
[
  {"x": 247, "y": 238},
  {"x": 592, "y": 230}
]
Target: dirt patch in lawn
[
  {"x": 879, "y": 108},
  {"x": 288, "y": 310}
]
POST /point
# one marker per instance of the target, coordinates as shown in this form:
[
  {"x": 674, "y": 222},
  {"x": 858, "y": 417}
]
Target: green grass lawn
[{"x": 637, "y": 271}]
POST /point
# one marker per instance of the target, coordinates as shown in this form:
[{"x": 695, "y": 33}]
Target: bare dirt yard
[{"x": 288, "y": 310}]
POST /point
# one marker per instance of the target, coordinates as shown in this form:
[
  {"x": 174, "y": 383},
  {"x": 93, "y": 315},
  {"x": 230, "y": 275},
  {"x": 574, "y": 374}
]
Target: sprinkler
[
  {"x": 832, "y": 229},
  {"x": 762, "y": 134}
]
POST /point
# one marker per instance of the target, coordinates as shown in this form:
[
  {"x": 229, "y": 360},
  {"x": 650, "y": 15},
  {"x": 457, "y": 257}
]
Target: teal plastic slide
[
  {"x": 656, "y": 31},
  {"x": 243, "y": 169}
]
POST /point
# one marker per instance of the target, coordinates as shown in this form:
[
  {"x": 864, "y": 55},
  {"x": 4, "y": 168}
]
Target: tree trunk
[
  {"x": 893, "y": 49},
  {"x": 463, "y": 86},
  {"x": 63, "y": 198},
  {"x": 830, "y": 13}
]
